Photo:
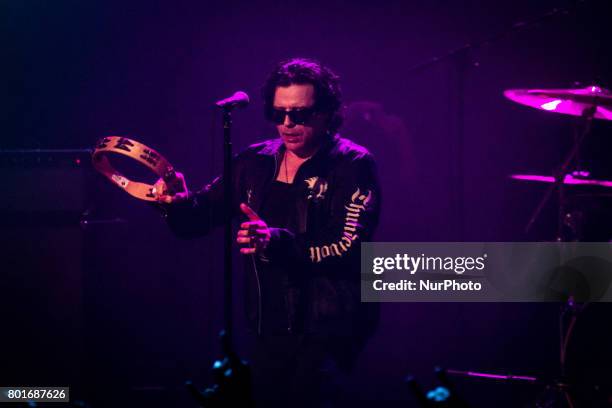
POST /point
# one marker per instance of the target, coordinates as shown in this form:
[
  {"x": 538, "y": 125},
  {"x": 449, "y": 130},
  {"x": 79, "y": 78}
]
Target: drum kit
[
  {"x": 591, "y": 102},
  {"x": 587, "y": 104}
]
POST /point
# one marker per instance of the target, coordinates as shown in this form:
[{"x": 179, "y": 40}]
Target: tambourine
[{"x": 137, "y": 151}]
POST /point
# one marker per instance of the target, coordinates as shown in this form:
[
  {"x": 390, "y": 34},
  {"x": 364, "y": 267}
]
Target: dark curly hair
[{"x": 328, "y": 97}]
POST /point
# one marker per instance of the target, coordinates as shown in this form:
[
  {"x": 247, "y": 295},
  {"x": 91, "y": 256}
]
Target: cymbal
[
  {"x": 569, "y": 179},
  {"x": 575, "y": 102}
]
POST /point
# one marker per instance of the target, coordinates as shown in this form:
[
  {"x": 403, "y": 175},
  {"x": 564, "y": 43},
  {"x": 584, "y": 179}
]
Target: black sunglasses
[{"x": 298, "y": 116}]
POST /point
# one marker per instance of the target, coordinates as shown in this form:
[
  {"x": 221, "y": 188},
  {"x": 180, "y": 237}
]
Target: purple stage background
[{"x": 146, "y": 306}]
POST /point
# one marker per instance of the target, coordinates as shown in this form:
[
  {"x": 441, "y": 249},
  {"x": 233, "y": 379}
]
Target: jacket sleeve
[
  {"x": 204, "y": 209},
  {"x": 196, "y": 216},
  {"x": 354, "y": 212}
]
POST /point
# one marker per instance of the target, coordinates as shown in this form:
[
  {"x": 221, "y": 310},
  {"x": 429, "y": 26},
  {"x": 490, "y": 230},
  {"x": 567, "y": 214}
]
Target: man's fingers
[
  {"x": 251, "y": 224},
  {"x": 169, "y": 199},
  {"x": 243, "y": 240},
  {"x": 254, "y": 233},
  {"x": 164, "y": 199},
  {"x": 249, "y": 212},
  {"x": 253, "y": 230}
]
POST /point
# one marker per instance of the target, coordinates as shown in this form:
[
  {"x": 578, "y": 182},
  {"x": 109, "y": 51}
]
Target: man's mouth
[{"x": 291, "y": 137}]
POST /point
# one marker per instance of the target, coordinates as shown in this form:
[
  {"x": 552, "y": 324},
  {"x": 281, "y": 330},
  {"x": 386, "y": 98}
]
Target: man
[{"x": 310, "y": 198}]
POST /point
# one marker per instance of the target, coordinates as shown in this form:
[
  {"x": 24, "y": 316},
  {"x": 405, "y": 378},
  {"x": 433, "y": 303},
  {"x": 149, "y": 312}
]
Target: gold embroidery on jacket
[
  {"x": 316, "y": 188},
  {"x": 359, "y": 203}
]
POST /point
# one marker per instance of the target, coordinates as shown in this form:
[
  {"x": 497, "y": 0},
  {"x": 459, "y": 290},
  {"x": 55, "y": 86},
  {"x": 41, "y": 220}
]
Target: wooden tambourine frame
[{"x": 137, "y": 151}]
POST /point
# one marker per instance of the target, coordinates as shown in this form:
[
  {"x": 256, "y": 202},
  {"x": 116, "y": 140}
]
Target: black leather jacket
[{"x": 316, "y": 269}]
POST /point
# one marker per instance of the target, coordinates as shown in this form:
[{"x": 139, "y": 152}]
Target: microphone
[{"x": 238, "y": 100}]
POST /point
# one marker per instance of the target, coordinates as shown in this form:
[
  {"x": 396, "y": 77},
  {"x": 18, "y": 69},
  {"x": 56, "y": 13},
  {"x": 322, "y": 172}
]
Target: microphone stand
[
  {"x": 227, "y": 219},
  {"x": 231, "y": 375}
]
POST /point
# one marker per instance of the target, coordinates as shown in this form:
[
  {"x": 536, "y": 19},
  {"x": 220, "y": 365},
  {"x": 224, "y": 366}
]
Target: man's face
[{"x": 301, "y": 139}]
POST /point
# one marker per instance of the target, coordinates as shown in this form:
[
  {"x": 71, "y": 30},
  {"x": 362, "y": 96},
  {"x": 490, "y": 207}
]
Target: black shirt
[
  {"x": 279, "y": 206},
  {"x": 278, "y": 210}
]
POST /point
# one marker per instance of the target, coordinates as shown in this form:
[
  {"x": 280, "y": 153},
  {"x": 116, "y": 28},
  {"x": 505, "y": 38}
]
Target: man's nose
[{"x": 288, "y": 122}]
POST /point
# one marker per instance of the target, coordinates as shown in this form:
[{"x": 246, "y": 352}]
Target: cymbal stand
[{"x": 564, "y": 219}]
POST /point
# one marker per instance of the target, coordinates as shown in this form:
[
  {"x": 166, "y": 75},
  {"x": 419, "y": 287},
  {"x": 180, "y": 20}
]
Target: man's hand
[
  {"x": 254, "y": 233},
  {"x": 176, "y": 192}
]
